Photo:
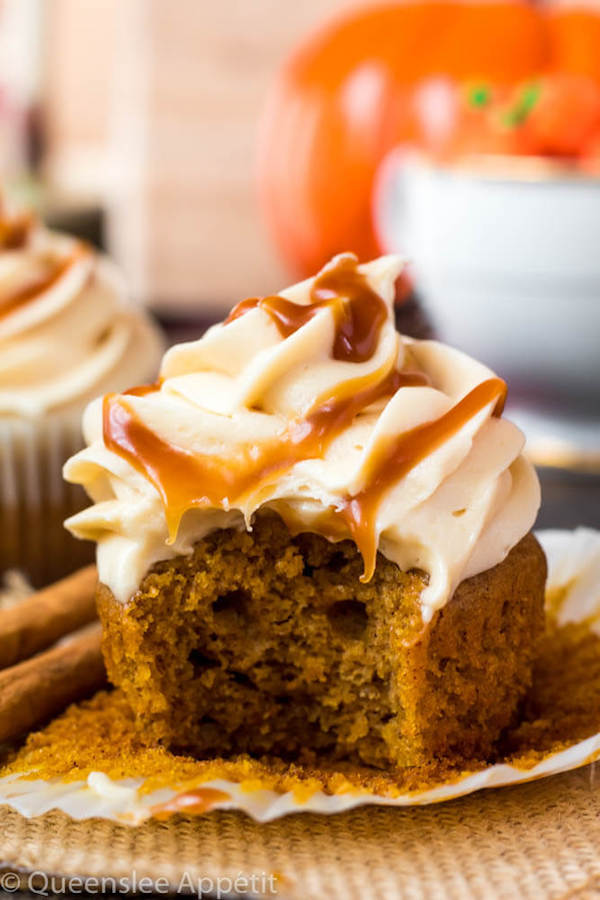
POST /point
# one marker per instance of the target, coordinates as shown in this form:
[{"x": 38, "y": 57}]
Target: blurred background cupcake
[{"x": 67, "y": 333}]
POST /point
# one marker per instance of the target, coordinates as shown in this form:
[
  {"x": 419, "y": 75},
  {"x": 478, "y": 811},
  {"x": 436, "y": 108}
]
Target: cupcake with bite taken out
[
  {"x": 67, "y": 333},
  {"x": 314, "y": 536}
]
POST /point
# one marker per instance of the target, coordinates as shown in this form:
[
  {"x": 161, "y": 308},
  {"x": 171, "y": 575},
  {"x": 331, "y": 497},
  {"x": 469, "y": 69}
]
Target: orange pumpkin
[
  {"x": 589, "y": 161},
  {"x": 574, "y": 38},
  {"x": 343, "y": 100},
  {"x": 566, "y": 114},
  {"x": 479, "y": 118}
]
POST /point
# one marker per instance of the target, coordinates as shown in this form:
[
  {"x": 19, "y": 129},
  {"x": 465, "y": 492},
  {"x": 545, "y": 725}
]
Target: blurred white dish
[{"x": 507, "y": 262}]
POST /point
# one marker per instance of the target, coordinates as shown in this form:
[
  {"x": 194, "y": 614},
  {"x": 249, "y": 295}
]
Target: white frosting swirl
[
  {"x": 457, "y": 512},
  {"x": 67, "y": 332}
]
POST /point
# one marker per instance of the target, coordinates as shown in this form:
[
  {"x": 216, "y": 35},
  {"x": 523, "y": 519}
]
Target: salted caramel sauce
[
  {"x": 54, "y": 271},
  {"x": 15, "y": 231},
  {"x": 188, "y": 480},
  {"x": 401, "y": 455},
  {"x": 195, "y": 802},
  {"x": 142, "y": 390},
  {"x": 359, "y": 312}
]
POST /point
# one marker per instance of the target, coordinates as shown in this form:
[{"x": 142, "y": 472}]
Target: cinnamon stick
[
  {"x": 40, "y": 620},
  {"x": 34, "y": 691}
]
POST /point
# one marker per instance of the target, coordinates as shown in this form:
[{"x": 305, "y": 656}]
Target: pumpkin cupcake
[{"x": 314, "y": 536}]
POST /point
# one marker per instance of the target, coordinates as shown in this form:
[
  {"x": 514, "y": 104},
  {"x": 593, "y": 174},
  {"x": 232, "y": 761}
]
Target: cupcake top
[
  {"x": 67, "y": 332},
  {"x": 311, "y": 404}
]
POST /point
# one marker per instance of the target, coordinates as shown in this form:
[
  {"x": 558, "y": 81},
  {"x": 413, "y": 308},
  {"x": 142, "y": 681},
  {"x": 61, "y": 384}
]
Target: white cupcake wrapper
[
  {"x": 574, "y": 564},
  {"x": 34, "y": 498}
]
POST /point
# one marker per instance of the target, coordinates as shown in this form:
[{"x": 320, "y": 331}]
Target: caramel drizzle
[
  {"x": 35, "y": 288},
  {"x": 195, "y": 802},
  {"x": 186, "y": 480},
  {"x": 15, "y": 232},
  {"x": 142, "y": 390},
  {"x": 403, "y": 454},
  {"x": 359, "y": 312}
]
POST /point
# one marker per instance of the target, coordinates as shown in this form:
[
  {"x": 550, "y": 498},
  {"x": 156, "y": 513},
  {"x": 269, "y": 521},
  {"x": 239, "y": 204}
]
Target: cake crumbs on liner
[{"x": 561, "y": 708}]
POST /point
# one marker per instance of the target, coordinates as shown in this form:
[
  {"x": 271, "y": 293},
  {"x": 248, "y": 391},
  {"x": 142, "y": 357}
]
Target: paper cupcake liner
[
  {"x": 35, "y": 500},
  {"x": 574, "y": 578}
]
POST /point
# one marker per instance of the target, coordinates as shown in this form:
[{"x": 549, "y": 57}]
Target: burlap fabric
[{"x": 538, "y": 840}]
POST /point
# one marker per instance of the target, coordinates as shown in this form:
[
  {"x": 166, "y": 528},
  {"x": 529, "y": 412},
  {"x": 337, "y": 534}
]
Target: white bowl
[{"x": 507, "y": 263}]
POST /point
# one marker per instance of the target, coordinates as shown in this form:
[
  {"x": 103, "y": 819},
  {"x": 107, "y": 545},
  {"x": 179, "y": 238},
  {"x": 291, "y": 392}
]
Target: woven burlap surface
[{"x": 537, "y": 840}]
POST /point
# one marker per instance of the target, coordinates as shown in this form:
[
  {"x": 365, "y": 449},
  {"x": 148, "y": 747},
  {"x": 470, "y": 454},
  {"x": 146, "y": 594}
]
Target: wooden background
[{"x": 153, "y": 106}]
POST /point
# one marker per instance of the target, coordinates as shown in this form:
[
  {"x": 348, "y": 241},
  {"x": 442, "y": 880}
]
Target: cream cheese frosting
[
  {"x": 67, "y": 332},
  {"x": 313, "y": 405}
]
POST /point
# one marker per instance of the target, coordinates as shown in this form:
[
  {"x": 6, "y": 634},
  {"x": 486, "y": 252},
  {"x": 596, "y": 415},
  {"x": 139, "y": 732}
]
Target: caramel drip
[
  {"x": 142, "y": 390},
  {"x": 187, "y": 480},
  {"x": 38, "y": 286},
  {"x": 402, "y": 455},
  {"x": 359, "y": 312},
  {"x": 14, "y": 233},
  {"x": 196, "y": 802}
]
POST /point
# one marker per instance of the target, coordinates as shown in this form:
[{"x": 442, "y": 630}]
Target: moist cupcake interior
[{"x": 268, "y": 643}]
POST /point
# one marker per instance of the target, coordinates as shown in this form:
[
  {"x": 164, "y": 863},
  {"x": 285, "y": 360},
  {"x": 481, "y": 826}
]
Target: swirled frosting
[
  {"x": 67, "y": 332},
  {"x": 311, "y": 404}
]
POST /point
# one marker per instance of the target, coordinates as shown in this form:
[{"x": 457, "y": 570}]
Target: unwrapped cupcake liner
[
  {"x": 574, "y": 578},
  {"x": 34, "y": 498}
]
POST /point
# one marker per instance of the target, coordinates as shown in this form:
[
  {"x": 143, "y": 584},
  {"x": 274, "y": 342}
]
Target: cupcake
[
  {"x": 67, "y": 334},
  {"x": 313, "y": 536}
]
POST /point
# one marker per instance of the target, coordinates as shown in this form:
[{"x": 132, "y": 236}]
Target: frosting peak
[{"x": 311, "y": 404}]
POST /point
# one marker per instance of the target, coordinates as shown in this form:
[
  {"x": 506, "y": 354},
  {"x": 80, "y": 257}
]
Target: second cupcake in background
[{"x": 68, "y": 333}]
